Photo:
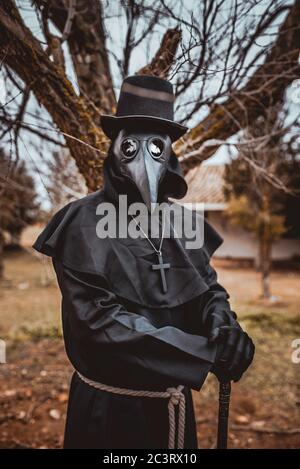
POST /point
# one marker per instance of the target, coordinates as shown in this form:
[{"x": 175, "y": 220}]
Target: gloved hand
[{"x": 235, "y": 349}]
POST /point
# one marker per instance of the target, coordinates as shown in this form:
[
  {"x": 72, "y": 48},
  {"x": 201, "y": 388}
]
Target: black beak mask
[{"x": 143, "y": 157}]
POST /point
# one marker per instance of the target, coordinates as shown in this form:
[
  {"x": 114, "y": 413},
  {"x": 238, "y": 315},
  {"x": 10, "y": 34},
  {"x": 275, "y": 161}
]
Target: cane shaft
[{"x": 224, "y": 401}]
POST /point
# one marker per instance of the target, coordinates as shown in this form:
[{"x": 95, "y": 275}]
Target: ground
[{"x": 34, "y": 392}]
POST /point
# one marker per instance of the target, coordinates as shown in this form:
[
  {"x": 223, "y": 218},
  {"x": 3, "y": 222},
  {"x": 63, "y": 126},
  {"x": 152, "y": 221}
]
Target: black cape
[{"x": 121, "y": 329}]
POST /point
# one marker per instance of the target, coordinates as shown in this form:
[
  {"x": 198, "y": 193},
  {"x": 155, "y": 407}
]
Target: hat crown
[
  {"x": 150, "y": 82},
  {"x": 144, "y": 100},
  {"x": 143, "y": 95}
]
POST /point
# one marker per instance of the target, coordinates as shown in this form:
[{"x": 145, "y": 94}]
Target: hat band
[{"x": 146, "y": 93}]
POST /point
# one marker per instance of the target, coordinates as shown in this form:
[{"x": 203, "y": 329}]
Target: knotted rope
[{"x": 175, "y": 396}]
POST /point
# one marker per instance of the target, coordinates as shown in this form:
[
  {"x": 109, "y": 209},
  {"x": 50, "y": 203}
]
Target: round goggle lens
[
  {"x": 156, "y": 147},
  {"x": 129, "y": 147}
]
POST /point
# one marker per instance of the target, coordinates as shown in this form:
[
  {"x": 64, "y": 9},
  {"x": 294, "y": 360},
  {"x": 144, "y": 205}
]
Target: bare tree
[
  {"x": 261, "y": 180},
  {"x": 18, "y": 201},
  {"x": 65, "y": 183},
  {"x": 228, "y": 60}
]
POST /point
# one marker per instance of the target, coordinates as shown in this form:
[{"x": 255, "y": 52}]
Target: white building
[{"x": 206, "y": 186}]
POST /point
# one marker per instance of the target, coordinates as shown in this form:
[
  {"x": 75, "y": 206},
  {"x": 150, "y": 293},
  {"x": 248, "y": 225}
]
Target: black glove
[{"x": 235, "y": 349}]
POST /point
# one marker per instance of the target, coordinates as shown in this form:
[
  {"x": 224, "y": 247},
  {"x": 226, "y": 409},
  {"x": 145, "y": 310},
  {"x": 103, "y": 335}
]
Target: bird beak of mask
[{"x": 143, "y": 157}]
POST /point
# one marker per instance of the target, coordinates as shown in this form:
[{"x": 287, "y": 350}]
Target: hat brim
[{"x": 111, "y": 125}]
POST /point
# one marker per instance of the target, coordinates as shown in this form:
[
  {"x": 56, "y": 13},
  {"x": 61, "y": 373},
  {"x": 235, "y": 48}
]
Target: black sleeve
[
  {"x": 95, "y": 315},
  {"x": 215, "y": 300}
]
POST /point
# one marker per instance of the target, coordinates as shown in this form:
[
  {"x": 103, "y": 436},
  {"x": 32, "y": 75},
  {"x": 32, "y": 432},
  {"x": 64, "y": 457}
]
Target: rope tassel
[{"x": 174, "y": 395}]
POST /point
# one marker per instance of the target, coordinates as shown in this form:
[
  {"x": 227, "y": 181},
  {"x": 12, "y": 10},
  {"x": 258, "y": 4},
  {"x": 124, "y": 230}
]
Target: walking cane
[{"x": 224, "y": 401}]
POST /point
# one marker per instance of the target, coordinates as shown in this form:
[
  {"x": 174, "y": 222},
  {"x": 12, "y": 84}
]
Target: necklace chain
[{"x": 158, "y": 251}]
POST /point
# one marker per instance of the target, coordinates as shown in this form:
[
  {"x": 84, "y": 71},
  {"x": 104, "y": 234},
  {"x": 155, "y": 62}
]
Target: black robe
[{"x": 121, "y": 329}]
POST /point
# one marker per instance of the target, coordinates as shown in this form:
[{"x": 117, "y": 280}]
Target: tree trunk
[
  {"x": 265, "y": 248},
  {"x": 1, "y": 254},
  {"x": 15, "y": 238}
]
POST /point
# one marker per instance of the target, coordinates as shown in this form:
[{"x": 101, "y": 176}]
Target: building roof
[{"x": 205, "y": 185}]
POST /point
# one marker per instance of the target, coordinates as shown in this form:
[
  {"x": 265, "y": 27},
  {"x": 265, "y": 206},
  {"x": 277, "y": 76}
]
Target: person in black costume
[{"x": 131, "y": 319}]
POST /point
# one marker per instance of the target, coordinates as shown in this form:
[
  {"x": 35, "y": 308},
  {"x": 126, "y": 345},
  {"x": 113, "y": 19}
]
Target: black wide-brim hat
[{"x": 147, "y": 101}]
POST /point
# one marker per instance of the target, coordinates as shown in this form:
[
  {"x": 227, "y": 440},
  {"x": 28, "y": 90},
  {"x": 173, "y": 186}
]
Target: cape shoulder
[
  {"x": 58, "y": 233},
  {"x": 126, "y": 264}
]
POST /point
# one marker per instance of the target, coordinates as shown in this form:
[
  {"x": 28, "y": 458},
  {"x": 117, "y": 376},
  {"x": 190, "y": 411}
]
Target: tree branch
[
  {"x": 266, "y": 87},
  {"x": 165, "y": 56},
  {"x": 86, "y": 41},
  {"x": 51, "y": 88}
]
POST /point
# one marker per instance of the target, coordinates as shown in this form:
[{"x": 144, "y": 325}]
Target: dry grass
[{"x": 25, "y": 304}]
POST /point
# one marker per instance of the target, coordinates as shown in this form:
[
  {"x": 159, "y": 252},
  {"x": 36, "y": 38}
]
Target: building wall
[{"x": 240, "y": 244}]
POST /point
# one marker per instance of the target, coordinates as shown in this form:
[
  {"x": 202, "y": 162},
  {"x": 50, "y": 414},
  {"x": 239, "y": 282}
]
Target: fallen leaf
[
  {"x": 258, "y": 424},
  {"x": 54, "y": 414},
  {"x": 10, "y": 393},
  {"x": 21, "y": 415},
  {"x": 243, "y": 419},
  {"x": 62, "y": 397}
]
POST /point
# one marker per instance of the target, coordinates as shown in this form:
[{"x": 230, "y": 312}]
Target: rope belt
[{"x": 175, "y": 396}]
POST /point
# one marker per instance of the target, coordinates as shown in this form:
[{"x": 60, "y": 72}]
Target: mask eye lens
[
  {"x": 156, "y": 148},
  {"x": 129, "y": 147}
]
